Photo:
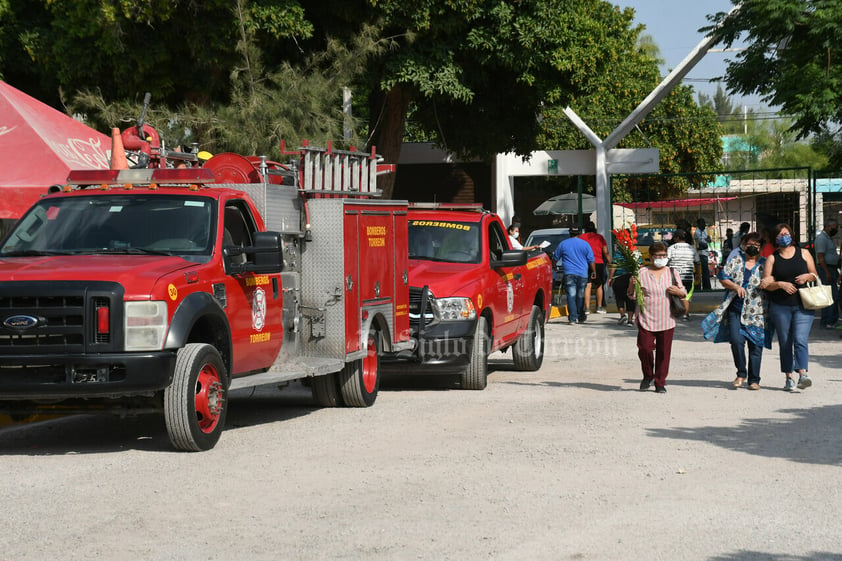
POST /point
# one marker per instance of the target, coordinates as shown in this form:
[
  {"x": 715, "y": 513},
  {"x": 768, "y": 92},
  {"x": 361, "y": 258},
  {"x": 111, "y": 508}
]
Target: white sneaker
[{"x": 601, "y": 311}]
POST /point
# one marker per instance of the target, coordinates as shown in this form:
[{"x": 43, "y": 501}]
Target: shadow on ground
[
  {"x": 811, "y": 436},
  {"x": 745, "y": 555}
]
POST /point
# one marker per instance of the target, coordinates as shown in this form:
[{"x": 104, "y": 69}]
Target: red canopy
[
  {"x": 677, "y": 203},
  {"x": 38, "y": 146}
]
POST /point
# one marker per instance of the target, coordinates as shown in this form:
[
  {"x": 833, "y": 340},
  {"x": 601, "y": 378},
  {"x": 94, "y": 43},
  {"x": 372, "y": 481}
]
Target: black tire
[
  {"x": 326, "y": 390},
  {"x": 196, "y": 402},
  {"x": 528, "y": 351},
  {"x": 359, "y": 381},
  {"x": 475, "y": 376}
]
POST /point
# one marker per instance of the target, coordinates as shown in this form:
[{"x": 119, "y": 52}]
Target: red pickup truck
[{"x": 471, "y": 293}]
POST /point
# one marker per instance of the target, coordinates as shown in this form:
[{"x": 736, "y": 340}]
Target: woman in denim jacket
[{"x": 741, "y": 318}]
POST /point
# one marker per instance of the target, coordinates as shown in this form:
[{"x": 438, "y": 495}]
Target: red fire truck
[
  {"x": 471, "y": 294},
  {"x": 162, "y": 288}
]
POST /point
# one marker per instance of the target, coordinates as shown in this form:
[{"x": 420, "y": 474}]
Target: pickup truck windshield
[
  {"x": 448, "y": 241},
  {"x": 116, "y": 224}
]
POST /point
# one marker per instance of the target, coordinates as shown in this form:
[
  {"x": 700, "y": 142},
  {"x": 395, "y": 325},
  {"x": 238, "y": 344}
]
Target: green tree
[
  {"x": 791, "y": 58},
  {"x": 687, "y": 135},
  {"x": 477, "y": 75},
  {"x": 779, "y": 147}
]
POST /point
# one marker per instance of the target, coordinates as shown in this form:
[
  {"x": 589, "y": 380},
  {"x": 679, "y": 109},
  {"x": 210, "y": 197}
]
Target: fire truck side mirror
[
  {"x": 266, "y": 255},
  {"x": 510, "y": 258}
]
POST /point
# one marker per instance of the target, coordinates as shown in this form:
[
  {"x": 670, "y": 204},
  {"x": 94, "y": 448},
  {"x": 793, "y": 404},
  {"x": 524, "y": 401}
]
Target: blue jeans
[
  {"x": 792, "y": 324},
  {"x": 830, "y": 315},
  {"x": 738, "y": 350},
  {"x": 574, "y": 286}
]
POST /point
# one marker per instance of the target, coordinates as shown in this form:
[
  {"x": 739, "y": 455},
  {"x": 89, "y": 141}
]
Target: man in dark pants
[
  {"x": 700, "y": 236},
  {"x": 577, "y": 258}
]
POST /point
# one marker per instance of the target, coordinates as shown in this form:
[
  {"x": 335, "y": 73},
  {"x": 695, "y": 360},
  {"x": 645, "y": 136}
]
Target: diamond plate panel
[{"x": 322, "y": 272}]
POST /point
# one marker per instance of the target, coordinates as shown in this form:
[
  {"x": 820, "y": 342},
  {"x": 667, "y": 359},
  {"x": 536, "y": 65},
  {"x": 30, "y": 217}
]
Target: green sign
[{"x": 552, "y": 167}]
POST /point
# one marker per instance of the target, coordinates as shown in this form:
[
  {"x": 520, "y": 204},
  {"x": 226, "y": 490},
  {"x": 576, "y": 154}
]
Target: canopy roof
[
  {"x": 38, "y": 147},
  {"x": 677, "y": 203}
]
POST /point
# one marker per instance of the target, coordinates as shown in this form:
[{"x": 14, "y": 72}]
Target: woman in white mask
[
  {"x": 655, "y": 324},
  {"x": 741, "y": 318}
]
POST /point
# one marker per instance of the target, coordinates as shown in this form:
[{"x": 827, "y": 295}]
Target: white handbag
[{"x": 816, "y": 296}]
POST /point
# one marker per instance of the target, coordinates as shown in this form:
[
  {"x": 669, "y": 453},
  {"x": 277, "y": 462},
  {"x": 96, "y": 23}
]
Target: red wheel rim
[
  {"x": 370, "y": 366},
  {"x": 210, "y": 398}
]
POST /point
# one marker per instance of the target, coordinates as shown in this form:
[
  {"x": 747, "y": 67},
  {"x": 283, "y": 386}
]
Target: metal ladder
[{"x": 330, "y": 171}]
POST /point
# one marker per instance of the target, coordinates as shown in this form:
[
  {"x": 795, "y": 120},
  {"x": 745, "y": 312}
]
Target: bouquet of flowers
[{"x": 630, "y": 258}]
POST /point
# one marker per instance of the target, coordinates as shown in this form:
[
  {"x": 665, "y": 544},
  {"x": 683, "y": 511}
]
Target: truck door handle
[{"x": 517, "y": 276}]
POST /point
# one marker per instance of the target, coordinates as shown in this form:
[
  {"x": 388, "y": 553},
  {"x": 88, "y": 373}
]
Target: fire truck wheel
[
  {"x": 475, "y": 376},
  {"x": 195, "y": 403},
  {"x": 325, "y": 390},
  {"x": 528, "y": 351},
  {"x": 359, "y": 381}
]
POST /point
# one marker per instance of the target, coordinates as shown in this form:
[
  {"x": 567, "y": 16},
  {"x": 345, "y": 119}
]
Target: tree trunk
[{"x": 388, "y": 121}]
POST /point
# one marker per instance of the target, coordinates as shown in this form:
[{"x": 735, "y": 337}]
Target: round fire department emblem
[
  {"x": 510, "y": 297},
  {"x": 258, "y": 309}
]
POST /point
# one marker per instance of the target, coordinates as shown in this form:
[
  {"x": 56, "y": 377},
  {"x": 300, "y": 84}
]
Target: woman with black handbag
[
  {"x": 655, "y": 323},
  {"x": 787, "y": 269}
]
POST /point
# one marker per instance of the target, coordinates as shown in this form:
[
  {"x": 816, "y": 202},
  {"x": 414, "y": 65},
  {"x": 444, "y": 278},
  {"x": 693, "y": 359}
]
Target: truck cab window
[
  {"x": 496, "y": 241},
  {"x": 238, "y": 228}
]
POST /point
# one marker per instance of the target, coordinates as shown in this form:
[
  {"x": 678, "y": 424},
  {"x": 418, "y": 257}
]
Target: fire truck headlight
[
  {"x": 146, "y": 325},
  {"x": 450, "y": 309}
]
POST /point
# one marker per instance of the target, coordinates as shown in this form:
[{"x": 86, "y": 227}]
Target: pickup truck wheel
[
  {"x": 528, "y": 351},
  {"x": 196, "y": 402},
  {"x": 359, "y": 381},
  {"x": 326, "y": 390},
  {"x": 475, "y": 376}
]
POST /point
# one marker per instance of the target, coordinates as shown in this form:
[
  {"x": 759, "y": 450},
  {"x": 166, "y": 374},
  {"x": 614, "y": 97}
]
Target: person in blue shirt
[{"x": 577, "y": 259}]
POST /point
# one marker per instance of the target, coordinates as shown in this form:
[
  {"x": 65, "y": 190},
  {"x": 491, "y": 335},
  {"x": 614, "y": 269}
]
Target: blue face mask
[{"x": 784, "y": 241}]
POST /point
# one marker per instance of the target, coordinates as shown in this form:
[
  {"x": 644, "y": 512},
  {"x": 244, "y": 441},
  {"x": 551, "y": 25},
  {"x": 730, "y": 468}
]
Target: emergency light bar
[
  {"x": 477, "y": 207},
  {"x": 140, "y": 176}
]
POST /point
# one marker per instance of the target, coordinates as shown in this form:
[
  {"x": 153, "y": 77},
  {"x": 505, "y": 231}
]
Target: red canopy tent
[
  {"x": 38, "y": 146},
  {"x": 677, "y": 203}
]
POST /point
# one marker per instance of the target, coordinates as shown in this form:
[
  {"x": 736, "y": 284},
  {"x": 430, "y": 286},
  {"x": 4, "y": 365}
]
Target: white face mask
[{"x": 661, "y": 262}]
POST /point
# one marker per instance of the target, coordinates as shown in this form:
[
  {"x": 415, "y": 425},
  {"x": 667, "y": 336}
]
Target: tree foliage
[
  {"x": 479, "y": 76},
  {"x": 791, "y": 59},
  {"x": 687, "y": 135}
]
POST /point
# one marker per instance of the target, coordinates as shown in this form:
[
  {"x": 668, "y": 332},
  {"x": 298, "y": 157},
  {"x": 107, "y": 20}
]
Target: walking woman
[
  {"x": 655, "y": 325},
  {"x": 741, "y": 318},
  {"x": 785, "y": 270}
]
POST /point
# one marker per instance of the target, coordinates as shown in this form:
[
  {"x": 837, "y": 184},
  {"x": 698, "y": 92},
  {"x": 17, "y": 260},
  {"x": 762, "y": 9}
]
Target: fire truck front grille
[
  {"x": 58, "y": 317},
  {"x": 415, "y": 307}
]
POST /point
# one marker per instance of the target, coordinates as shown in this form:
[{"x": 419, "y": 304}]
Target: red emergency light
[{"x": 142, "y": 176}]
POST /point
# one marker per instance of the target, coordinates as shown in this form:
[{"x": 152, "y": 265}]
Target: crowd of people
[{"x": 760, "y": 272}]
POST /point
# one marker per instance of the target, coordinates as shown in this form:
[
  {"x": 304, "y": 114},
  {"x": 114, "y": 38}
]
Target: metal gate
[{"x": 725, "y": 200}]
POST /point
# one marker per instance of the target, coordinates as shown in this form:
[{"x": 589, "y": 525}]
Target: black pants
[{"x": 620, "y": 285}]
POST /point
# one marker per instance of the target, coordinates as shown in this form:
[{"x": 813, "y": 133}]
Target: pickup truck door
[
  {"x": 506, "y": 289},
  {"x": 254, "y": 302}
]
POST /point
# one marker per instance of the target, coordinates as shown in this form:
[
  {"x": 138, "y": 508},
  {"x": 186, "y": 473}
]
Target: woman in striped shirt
[{"x": 654, "y": 322}]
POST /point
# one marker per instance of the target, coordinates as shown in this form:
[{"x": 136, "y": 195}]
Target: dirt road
[{"x": 571, "y": 462}]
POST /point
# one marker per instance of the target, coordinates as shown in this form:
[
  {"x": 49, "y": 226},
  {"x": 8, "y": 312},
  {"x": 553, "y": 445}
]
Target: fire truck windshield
[
  {"x": 445, "y": 240},
  {"x": 116, "y": 224}
]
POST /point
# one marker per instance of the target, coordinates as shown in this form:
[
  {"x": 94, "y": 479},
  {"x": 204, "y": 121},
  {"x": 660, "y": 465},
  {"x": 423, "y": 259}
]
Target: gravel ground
[{"x": 570, "y": 462}]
